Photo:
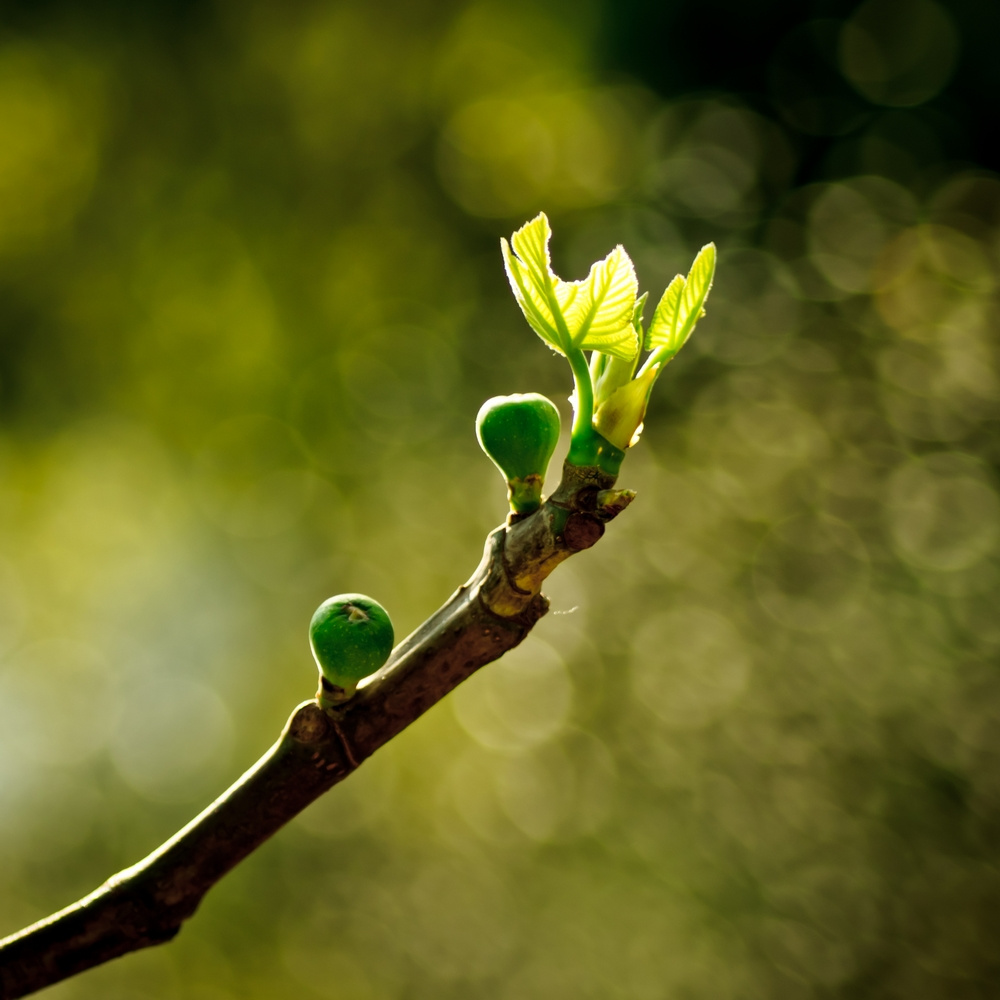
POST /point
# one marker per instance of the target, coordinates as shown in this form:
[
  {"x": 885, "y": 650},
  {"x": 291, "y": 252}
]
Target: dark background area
[{"x": 732, "y": 48}]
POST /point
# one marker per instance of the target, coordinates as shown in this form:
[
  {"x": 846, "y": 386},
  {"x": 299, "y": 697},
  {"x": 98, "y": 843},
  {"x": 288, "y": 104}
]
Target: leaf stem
[
  {"x": 583, "y": 417},
  {"x": 660, "y": 356}
]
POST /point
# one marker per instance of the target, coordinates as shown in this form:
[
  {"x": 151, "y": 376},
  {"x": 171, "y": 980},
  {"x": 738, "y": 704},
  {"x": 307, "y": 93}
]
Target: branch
[{"x": 147, "y": 904}]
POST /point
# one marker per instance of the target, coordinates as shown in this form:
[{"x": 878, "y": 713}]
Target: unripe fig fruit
[
  {"x": 351, "y": 637},
  {"x": 520, "y": 433}
]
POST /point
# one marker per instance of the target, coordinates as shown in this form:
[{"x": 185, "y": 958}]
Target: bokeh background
[{"x": 250, "y": 302}]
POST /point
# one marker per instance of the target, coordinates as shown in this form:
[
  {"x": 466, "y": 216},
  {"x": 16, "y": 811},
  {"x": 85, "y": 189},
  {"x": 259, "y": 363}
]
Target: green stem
[
  {"x": 583, "y": 418},
  {"x": 587, "y": 448},
  {"x": 593, "y": 450}
]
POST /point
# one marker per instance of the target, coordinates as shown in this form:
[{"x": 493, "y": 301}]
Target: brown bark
[{"x": 147, "y": 903}]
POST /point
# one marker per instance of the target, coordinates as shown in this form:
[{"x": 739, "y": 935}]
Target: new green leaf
[
  {"x": 592, "y": 314},
  {"x": 529, "y": 271},
  {"x": 598, "y": 310},
  {"x": 661, "y": 330},
  {"x": 682, "y": 305}
]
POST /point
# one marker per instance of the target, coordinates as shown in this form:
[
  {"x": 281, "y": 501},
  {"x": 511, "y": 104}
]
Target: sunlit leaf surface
[{"x": 682, "y": 304}]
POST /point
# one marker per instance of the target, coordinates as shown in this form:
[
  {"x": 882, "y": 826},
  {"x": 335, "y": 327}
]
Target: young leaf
[
  {"x": 661, "y": 330},
  {"x": 529, "y": 271},
  {"x": 599, "y": 309},
  {"x": 593, "y": 314},
  {"x": 621, "y": 343},
  {"x": 682, "y": 304}
]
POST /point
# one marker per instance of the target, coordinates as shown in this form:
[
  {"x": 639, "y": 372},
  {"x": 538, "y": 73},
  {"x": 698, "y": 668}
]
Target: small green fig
[
  {"x": 351, "y": 637},
  {"x": 519, "y": 433}
]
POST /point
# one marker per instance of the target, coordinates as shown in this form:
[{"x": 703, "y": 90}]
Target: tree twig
[{"x": 490, "y": 614}]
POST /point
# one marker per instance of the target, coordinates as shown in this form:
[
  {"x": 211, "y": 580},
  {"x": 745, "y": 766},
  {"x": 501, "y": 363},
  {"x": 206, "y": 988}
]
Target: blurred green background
[{"x": 250, "y": 301}]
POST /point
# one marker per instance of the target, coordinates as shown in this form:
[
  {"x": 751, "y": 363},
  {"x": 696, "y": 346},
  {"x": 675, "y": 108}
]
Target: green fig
[
  {"x": 351, "y": 637},
  {"x": 519, "y": 433}
]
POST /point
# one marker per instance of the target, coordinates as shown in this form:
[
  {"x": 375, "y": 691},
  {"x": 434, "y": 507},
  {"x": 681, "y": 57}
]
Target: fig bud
[
  {"x": 351, "y": 637},
  {"x": 519, "y": 433}
]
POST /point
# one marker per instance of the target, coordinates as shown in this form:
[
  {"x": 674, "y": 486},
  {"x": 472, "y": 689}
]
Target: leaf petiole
[{"x": 583, "y": 405}]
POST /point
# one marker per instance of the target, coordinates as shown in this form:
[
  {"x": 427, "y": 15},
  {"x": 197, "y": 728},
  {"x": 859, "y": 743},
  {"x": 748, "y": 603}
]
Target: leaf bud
[{"x": 619, "y": 418}]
